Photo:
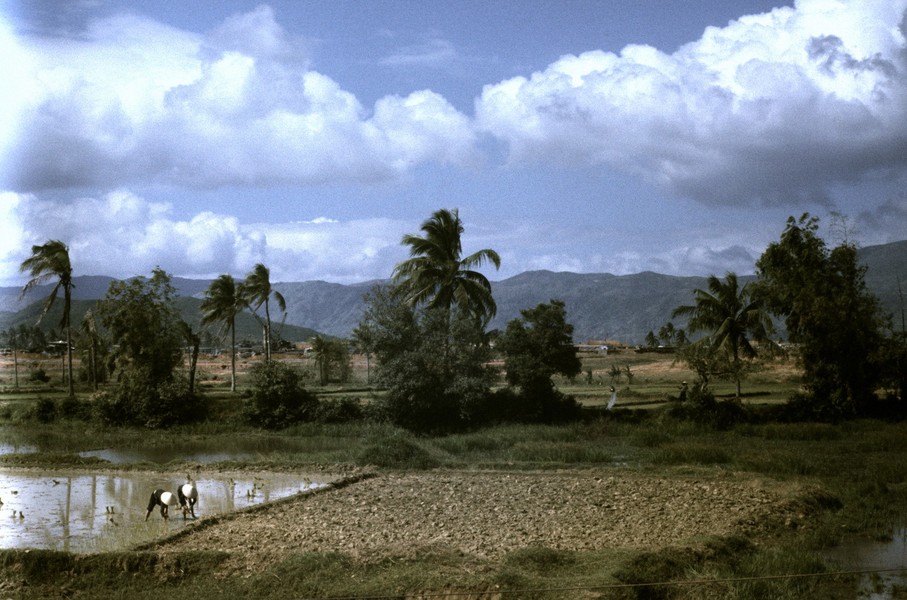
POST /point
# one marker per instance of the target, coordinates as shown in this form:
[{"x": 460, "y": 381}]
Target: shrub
[
  {"x": 340, "y": 410},
  {"x": 277, "y": 397},
  {"x": 45, "y": 410},
  {"x": 138, "y": 401},
  {"x": 38, "y": 376},
  {"x": 703, "y": 408},
  {"x": 397, "y": 452},
  {"x": 73, "y": 408}
]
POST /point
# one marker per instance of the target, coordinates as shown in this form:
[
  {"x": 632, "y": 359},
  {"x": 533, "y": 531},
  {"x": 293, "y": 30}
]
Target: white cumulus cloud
[
  {"x": 772, "y": 107},
  {"x": 129, "y": 100}
]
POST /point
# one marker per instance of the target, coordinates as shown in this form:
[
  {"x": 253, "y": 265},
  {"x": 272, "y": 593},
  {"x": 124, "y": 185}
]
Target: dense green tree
[
  {"x": 332, "y": 359},
  {"x": 278, "y": 398},
  {"x": 257, "y": 293},
  {"x": 828, "y": 313},
  {"x": 733, "y": 318},
  {"x": 437, "y": 273},
  {"x": 222, "y": 302},
  {"x": 143, "y": 326},
  {"x": 536, "y": 347},
  {"x": 49, "y": 261},
  {"x": 428, "y": 389}
]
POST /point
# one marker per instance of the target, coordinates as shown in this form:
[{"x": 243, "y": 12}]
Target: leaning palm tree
[
  {"x": 257, "y": 292},
  {"x": 46, "y": 262},
  {"x": 222, "y": 302},
  {"x": 438, "y": 275},
  {"x": 732, "y": 317}
]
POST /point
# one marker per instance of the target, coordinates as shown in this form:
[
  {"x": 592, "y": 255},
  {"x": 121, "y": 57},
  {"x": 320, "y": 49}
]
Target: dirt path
[{"x": 487, "y": 514}]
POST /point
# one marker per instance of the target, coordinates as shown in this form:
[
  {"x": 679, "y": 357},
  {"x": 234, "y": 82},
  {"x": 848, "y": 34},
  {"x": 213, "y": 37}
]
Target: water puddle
[
  {"x": 888, "y": 559},
  {"x": 104, "y": 512}
]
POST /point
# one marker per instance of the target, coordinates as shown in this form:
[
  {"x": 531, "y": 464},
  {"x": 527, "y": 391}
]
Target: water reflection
[
  {"x": 94, "y": 513},
  {"x": 887, "y": 559},
  {"x": 164, "y": 455}
]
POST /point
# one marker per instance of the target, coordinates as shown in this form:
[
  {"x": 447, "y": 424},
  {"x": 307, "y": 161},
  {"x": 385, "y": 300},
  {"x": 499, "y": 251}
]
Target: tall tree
[
  {"x": 536, "y": 347},
  {"x": 223, "y": 301},
  {"x": 733, "y": 319},
  {"x": 46, "y": 262},
  {"x": 257, "y": 292},
  {"x": 194, "y": 339},
  {"x": 91, "y": 336},
  {"x": 438, "y": 274},
  {"x": 835, "y": 322}
]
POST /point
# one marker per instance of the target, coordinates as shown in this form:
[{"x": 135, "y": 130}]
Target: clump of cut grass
[{"x": 397, "y": 452}]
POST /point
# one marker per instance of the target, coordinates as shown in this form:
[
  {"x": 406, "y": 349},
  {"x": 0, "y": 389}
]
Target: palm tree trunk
[
  {"x": 193, "y": 363},
  {"x": 16, "y": 366},
  {"x": 232, "y": 355},
  {"x": 267, "y": 332},
  {"x": 68, "y": 307}
]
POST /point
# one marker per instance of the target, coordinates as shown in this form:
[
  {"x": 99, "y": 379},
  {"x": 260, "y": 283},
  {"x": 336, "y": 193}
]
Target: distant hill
[
  {"x": 247, "y": 327},
  {"x": 599, "y": 305}
]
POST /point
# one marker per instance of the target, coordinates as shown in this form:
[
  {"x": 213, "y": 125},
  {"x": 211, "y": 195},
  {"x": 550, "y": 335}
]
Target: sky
[{"x": 592, "y": 136}]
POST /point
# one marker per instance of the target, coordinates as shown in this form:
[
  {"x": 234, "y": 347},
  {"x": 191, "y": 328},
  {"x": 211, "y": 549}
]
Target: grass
[{"x": 857, "y": 469}]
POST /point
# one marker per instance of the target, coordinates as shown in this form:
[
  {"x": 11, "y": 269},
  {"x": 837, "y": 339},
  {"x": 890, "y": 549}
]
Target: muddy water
[
  {"x": 80, "y": 512},
  {"x": 886, "y": 560}
]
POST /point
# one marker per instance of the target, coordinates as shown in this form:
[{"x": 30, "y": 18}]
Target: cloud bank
[
  {"x": 123, "y": 235},
  {"x": 771, "y": 108}
]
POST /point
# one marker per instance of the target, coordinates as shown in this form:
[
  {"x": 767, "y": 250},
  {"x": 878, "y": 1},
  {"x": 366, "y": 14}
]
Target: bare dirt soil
[{"x": 488, "y": 514}]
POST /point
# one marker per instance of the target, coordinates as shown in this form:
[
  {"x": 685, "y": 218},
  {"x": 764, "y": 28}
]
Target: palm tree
[
  {"x": 732, "y": 317},
  {"x": 194, "y": 340},
  {"x": 48, "y": 261},
  {"x": 89, "y": 330},
  {"x": 257, "y": 292},
  {"x": 321, "y": 350},
  {"x": 222, "y": 302},
  {"x": 438, "y": 275}
]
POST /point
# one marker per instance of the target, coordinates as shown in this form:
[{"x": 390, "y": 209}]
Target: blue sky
[{"x": 585, "y": 136}]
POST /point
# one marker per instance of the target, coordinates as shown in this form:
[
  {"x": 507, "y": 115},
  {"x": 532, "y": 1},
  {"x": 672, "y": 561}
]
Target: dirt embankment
[{"x": 487, "y": 514}]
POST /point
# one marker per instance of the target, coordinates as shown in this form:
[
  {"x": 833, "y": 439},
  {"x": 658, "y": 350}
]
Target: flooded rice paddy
[
  {"x": 885, "y": 564},
  {"x": 103, "y": 512}
]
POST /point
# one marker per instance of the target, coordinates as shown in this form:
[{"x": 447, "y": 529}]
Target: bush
[
  {"x": 397, "y": 452},
  {"x": 73, "y": 408},
  {"x": 38, "y": 376},
  {"x": 138, "y": 401},
  {"x": 341, "y": 410},
  {"x": 45, "y": 410},
  {"x": 277, "y": 397},
  {"x": 703, "y": 408}
]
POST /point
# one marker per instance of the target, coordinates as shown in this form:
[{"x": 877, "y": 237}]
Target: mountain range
[{"x": 600, "y": 306}]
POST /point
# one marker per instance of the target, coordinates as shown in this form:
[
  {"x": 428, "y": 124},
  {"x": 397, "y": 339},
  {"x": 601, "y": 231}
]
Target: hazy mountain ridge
[{"x": 599, "y": 305}]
